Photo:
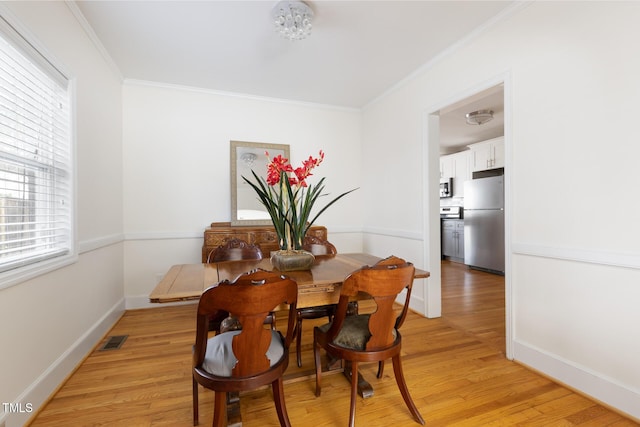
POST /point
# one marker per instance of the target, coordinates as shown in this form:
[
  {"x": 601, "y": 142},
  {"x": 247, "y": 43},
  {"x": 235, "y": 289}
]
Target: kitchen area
[{"x": 471, "y": 186}]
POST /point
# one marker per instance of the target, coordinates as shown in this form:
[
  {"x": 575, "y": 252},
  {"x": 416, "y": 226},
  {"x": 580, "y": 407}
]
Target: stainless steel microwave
[{"x": 446, "y": 187}]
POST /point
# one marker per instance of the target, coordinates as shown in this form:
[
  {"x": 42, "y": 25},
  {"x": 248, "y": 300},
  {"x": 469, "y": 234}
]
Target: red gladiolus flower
[
  {"x": 277, "y": 165},
  {"x": 304, "y": 172},
  {"x": 273, "y": 176},
  {"x": 291, "y": 200},
  {"x": 280, "y": 164},
  {"x": 301, "y": 175}
]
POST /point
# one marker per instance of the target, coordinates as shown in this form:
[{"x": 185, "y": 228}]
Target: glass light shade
[
  {"x": 479, "y": 117},
  {"x": 292, "y": 19}
]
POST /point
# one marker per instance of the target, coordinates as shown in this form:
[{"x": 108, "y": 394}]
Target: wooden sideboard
[{"x": 263, "y": 235}]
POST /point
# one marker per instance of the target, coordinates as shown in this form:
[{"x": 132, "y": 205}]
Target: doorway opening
[{"x": 472, "y": 298}]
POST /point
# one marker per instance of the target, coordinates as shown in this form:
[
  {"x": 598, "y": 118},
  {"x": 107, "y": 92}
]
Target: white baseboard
[
  {"x": 417, "y": 305},
  {"x": 601, "y": 389},
  {"x": 47, "y": 383}
]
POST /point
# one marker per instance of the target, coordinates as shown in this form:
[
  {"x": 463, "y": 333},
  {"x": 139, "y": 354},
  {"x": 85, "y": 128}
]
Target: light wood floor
[{"x": 455, "y": 368}]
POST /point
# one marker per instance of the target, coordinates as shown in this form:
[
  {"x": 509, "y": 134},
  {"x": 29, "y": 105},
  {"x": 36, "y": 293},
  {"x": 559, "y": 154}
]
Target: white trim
[
  {"x": 606, "y": 390},
  {"x": 416, "y": 303},
  {"x": 15, "y": 277},
  {"x": 134, "y": 82},
  {"x": 589, "y": 256},
  {"x": 391, "y": 232},
  {"x": 30, "y": 40},
  {"x": 100, "y": 242},
  {"x": 431, "y": 165},
  {"x": 508, "y": 204},
  {"x": 430, "y": 145},
  {"x": 164, "y": 235},
  {"x": 343, "y": 229},
  {"x": 39, "y": 391},
  {"x": 47, "y": 62}
]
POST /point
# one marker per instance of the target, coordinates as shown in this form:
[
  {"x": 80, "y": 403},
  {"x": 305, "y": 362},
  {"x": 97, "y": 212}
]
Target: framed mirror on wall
[{"x": 246, "y": 208}]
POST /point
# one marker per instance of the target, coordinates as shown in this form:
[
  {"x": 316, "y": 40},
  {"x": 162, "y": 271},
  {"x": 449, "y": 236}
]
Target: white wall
[
  {"x": 51, "y": 322},
  {"x": 571, "y": 145},
  {"x": 176, "y": 169}
]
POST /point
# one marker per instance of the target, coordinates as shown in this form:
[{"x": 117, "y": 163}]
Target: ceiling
[
  {"x": 456, "y": 133},
  {"x": 357, "y": 49}
]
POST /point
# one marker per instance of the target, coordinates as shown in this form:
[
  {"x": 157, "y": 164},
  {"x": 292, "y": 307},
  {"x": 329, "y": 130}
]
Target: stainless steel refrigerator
[{"x": 484, "y": 223}]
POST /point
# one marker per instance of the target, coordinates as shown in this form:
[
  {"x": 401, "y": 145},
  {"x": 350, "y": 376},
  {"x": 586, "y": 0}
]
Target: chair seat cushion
[
  {"x": 219, "y": 359},
  {"x": 354, "y": 333}
]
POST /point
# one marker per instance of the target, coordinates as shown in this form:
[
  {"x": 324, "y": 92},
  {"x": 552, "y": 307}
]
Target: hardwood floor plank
[{"x": 455, "y": 368}]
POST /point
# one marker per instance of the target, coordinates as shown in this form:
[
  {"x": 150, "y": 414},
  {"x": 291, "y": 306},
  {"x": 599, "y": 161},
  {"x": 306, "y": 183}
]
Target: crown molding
[
  {"x": 475, "y": 34},
  {"x": 88, "y": 29},
  {"x": 238, "y": 95}
]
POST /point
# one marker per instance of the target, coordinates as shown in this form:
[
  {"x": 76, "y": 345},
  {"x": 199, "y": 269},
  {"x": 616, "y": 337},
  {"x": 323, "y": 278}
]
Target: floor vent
[{"x": 114, "y": 343}]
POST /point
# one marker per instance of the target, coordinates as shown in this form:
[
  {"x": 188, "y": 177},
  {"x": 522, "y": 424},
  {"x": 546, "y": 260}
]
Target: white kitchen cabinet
[
  {"x": 447, "y": 166},
  {"x": 456, "y": 166},
  {"x": 462, "y": 172},
  {"x": 487, "y": 155}
]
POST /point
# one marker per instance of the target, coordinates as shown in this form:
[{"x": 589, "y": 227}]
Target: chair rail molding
[
  {"x": 590, "y": 256},
  {"x": 393, "y": 232},
  {"x": 99, "y": 242}
]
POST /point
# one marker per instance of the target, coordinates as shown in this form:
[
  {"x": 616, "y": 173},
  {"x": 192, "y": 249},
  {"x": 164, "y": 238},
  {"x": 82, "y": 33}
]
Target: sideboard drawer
[
  {"x": 262, "y": 237},
  {"x": 216, "y": 239}
]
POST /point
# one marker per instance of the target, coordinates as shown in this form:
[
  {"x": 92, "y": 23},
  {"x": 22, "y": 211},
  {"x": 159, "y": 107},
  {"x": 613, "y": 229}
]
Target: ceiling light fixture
[
  {"x": 479, "y": 117},
  {"x": 292, "y": 19}
]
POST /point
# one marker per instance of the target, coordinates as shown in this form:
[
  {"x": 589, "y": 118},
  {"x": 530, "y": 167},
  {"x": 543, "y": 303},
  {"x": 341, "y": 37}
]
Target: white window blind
[{"x": 35, "y": 157}]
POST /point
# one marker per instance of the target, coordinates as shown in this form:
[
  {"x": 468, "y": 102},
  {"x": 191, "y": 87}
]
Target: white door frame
[{"x": 431, "y": 201}]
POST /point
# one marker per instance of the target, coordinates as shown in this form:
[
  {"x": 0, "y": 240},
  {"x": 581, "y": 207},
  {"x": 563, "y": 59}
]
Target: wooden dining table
[{"x": 318, "y": 286}]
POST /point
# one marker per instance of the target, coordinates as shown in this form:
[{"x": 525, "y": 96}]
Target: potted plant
[{"x": 289, "y": 200}]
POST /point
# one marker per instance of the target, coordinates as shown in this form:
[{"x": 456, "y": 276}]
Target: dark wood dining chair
[
  {"x": 317, "y": 247},
  {"x": 235, "y": 250},
  {"x": 252, "y": 356},
  {"x": 373, "y": 337}
]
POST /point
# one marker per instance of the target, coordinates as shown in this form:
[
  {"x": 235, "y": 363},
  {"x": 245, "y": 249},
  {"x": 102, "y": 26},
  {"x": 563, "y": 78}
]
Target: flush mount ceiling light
[
  {"x": 292, "y": 19},
  {"x": 479, "y": 117}
]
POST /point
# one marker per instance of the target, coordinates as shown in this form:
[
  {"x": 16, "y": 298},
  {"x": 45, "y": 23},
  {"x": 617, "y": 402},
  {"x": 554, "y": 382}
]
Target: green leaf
[{"x": 290, "y": 209}]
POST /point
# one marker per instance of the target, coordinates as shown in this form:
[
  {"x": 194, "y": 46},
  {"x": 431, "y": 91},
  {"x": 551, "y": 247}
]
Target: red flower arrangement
[{"x": 289, "y": 199}]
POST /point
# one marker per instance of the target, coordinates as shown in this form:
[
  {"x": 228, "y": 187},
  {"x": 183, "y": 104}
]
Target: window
[{"x": 35, "y": 155}]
